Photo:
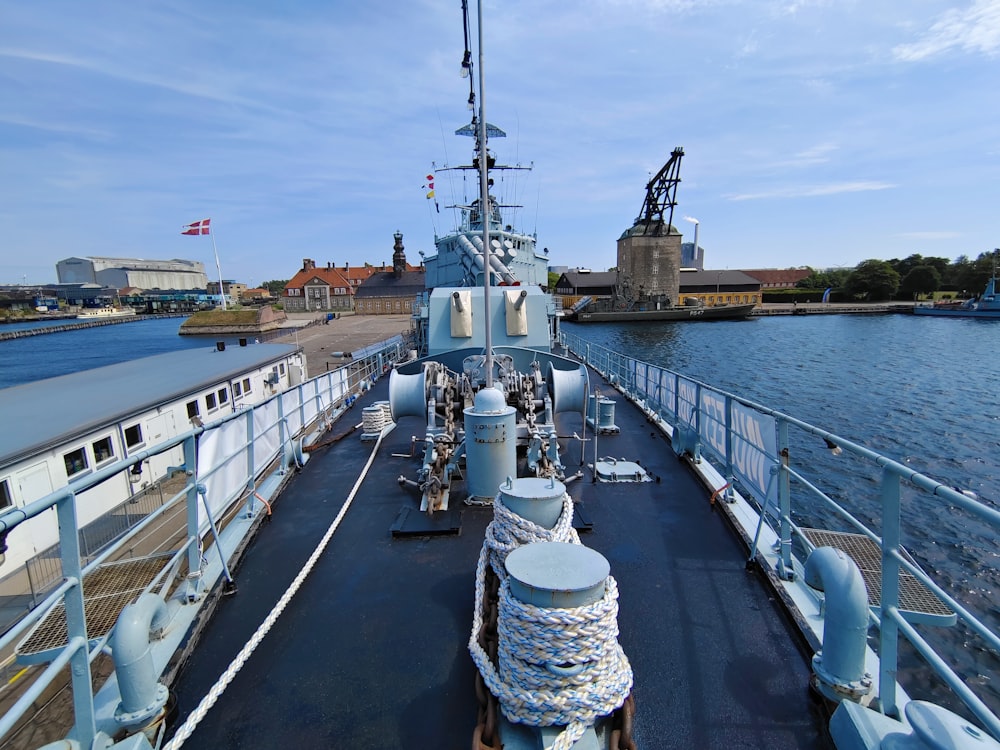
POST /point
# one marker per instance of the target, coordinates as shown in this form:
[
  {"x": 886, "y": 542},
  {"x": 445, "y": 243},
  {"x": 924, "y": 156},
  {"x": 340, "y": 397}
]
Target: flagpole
[{"x": 222, "y": 289}]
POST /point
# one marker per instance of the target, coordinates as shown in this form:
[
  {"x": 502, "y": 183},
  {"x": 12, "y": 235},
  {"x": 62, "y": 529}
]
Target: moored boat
[
  {"x": 986, "y": 305},
  {"x": 105, "y": 312}
]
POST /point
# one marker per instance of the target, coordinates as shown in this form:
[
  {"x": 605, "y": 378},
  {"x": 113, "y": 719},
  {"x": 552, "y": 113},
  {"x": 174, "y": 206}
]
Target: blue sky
[{"x": 816, "y": 132}]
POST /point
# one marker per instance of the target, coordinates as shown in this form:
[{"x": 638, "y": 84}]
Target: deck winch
[{"x": 484, "y": 427}]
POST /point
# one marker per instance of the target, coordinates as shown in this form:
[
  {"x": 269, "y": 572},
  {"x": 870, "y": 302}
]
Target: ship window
[
  {"x": 237, "y": 389},
  {"x": 6, "y": 500},
  {"x": 76, "y": 461},
  {"x": 192, "y": 409},
  {"x": 223, "y": 396},
  {"x": 246, "y": 385},
  {"x": 210, "y": 403},
  {"x": 281, "y": 367},
  {"x": 133, "y": 435},
  {"x": 103, "y": 450}
]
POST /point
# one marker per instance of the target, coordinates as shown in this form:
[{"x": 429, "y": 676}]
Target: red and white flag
[{"x": 198, "y": 227}]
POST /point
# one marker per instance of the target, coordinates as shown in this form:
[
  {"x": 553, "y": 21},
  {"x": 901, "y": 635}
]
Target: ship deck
[{"x": 373, "y": 650}]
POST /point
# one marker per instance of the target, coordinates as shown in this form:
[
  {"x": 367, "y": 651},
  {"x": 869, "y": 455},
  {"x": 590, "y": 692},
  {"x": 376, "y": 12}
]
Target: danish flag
[{"x": 198, "y": 227}]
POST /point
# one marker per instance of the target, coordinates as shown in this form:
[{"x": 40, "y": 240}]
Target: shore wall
[{"x": 832, "y": 308}]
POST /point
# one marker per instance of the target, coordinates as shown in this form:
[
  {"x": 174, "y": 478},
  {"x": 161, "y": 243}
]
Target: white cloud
[
  {"x": 813, "y": 191},
  {"x": 973, "y": 29},
  {"x": 818, "y": 154}
]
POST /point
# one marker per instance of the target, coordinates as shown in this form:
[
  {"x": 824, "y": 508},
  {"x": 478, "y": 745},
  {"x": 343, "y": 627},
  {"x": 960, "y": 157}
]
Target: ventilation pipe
[
  {"x": 142, "y": 696},
  {"x": 839, "y": 668}
]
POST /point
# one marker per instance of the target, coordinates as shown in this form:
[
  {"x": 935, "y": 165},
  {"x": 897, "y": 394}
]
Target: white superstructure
[{"x": 60, "y": 429}]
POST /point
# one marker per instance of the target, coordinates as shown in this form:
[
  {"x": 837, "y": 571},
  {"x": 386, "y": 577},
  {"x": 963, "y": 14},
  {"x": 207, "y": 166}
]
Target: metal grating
[
  {"x": 914, "y": 597},
  {"x": 106, "y": 591}
]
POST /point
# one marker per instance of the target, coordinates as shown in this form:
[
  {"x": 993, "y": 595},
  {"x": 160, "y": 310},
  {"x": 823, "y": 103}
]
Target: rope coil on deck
[
  {"x": 557, "y": 666},
  {"x": 373, "y": 419},
  {"x": 560, "y": 666},
  {"x": 508, "y": 531}
]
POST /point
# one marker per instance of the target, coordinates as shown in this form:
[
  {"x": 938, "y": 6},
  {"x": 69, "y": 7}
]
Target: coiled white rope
[
  {"x": 560, "y": 666},
  {"x": 372, "y": 419},
  {"x": 241, "y": 658},
  {"x": 508, "y": 531},
  {"x": 557, "y": 666}
]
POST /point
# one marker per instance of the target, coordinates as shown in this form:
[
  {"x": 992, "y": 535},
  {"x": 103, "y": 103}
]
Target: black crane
[{"x": 661, "y": 197}]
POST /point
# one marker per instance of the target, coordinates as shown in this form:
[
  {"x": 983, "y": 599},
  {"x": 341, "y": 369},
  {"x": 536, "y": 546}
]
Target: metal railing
[
  {"x": 269, "y": 431},
  {"x": 751, "y": 447},
  {"x": 44, "y": 569}
]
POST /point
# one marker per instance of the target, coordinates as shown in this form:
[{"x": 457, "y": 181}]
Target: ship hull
[{"x": 957, "y": 313}]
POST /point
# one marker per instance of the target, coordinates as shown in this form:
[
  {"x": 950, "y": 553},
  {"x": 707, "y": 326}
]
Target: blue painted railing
[
  {"x": 751, "y": 445},
  {"x": 288, "y": 413}
]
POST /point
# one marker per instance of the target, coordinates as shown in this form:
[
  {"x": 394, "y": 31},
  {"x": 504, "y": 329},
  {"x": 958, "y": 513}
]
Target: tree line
[{"x": 909, "y": 278}]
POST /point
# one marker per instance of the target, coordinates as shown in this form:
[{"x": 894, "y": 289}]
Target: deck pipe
[
  {"x": 840, "y": 666},
  {"x": 142, "y": 696}
]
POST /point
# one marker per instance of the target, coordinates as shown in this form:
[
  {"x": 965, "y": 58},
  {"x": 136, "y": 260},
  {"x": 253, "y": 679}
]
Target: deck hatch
[
  {"x": 917, "y": 603},
  {"x": 106, "y": 591}
]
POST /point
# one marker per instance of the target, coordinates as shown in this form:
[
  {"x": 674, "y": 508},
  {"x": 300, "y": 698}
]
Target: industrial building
[{"x": 133, "y": 272}]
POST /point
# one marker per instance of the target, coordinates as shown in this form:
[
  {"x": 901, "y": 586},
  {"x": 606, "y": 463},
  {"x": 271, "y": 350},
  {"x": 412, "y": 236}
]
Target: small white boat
[{"x": 107, "y": 311}]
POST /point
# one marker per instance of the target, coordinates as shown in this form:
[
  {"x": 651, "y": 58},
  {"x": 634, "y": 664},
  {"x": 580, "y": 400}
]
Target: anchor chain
[
  {"x": 485, "y": 735},
  {"x": 621, "y": 720}
]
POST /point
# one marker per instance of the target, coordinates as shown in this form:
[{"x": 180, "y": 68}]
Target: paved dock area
[{"x": 326, "y": 344}]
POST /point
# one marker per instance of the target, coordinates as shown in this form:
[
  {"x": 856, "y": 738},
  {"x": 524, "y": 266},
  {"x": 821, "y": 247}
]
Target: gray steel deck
[{"x": 372, "y": 653}]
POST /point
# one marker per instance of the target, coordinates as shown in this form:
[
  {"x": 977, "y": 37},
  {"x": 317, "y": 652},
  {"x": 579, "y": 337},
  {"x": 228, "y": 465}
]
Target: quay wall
[{"x": 820, "y": 308}]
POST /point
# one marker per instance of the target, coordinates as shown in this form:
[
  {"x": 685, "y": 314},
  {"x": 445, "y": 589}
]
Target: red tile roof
[
  {"x": 779, "y": 276},
  {"x": 330, "y": 276}
]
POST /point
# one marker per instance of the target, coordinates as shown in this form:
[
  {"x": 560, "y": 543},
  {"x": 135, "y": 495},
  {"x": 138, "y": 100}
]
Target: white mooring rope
[
  {"x": 241, "y": 658},
  {"x": 557, "y": 666}
]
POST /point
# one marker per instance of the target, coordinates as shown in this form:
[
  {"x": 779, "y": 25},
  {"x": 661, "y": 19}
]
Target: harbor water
[
  {"x": 46, "y": 356},
  {"x": 917, "y": 389}
]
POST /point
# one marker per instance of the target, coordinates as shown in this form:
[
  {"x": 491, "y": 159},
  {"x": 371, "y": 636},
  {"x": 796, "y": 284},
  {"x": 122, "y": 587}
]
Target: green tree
[
  {"x": 969, "y": 277},
  {"x": 873, "y": 280},
  {"x": 831, "y": 278},
  {"x": 923, "y": 279},
  {"x": 553, "y": 278},
  {"x": 275, "y": 287}
]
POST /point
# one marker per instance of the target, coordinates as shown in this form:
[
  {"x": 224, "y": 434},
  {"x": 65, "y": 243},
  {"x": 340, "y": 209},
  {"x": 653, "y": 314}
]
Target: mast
[{"x": 484, "y": 201}]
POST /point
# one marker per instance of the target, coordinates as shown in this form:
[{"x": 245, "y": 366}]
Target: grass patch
[{"x": 221, "y": 318}]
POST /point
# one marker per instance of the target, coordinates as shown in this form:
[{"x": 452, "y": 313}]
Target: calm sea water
[
  {"x": 917, "y": 389},
  {"x": 920, "y": 390},
  {"x": 51, "y": 354}
]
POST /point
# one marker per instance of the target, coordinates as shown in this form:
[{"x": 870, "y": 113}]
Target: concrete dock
[{"x": 325, "y": 343}]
